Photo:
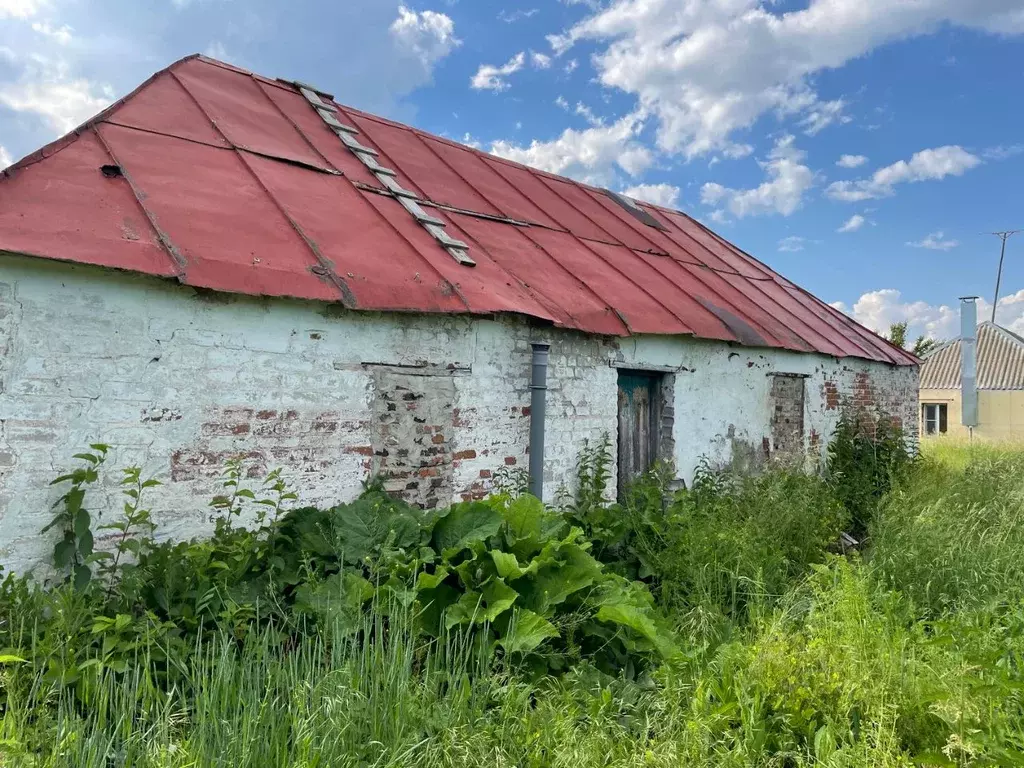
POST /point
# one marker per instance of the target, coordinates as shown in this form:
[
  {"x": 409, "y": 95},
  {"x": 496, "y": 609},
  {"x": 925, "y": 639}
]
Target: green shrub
[
  {"x": 508, "y": 570},
  {"x": 865, "y": 457}
]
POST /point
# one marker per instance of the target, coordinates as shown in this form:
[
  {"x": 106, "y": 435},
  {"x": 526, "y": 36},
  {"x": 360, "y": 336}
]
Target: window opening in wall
[
  {"x": 645, "y": 423},
  {"x": 934, "y": 417}
]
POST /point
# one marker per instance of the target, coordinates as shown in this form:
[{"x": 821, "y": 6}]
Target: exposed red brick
[
  {"x": 485, "y": 473},
  {"x": 511, "y": 461},
  {"x": 470, "y": 454},
  {"x": 832, "y": 399},
  {"x": 360, "y": 450}
]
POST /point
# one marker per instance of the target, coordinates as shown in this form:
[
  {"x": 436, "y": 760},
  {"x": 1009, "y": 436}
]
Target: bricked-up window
[
  {"x": 786, "y": 398},
  {"x": 935, "y": 418},
  {"x": 412, "y": 434}
]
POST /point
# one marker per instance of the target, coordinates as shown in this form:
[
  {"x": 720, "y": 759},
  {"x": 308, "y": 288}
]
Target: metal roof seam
[
  {"x": 286, "y": 116},
  {"x": 450, "y": 209},
  {"x": 600, "y": 198},
  {"x": 893, "y": 353},
  {"x": 746, "y": 256},
  {"x": 787, "y": 313},
  {"x": 165, "y": 135},
  {"x": 345, "y": 294},
  {"x": 385, "y": 219},
  {"x": 457, "y": 249},
  {"x": 828, "y": 319},
  {"x": 178, "y": 260},
  {"x": 715, "y": 292},
  {"x": 775, "y": 277},
  {"x": 491, "y": 202},
  {"x": 864, "y": 340},
  {"x": 736, "y": 310},
  {"x": 546, "y": 182}
]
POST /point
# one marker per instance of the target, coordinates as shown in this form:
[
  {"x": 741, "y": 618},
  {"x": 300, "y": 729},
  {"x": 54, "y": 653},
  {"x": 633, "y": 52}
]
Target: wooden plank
[{"x": 636, "y": 433}]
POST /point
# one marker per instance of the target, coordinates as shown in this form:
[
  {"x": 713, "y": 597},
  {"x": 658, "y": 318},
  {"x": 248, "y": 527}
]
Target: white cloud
[
  {"x": 669, "y": 55},
  {"x": 1003, "y": 152},
  {"x": 514, "y": 16},
  {"x": 46, "y": 88},
  {"x": 19, "y": 9},
  {"x": 570, "y": 66},
  {"x": 783, "y": 191},
  {"x": 588, "y": 114},
  {"x": 792, "y": 244},
  {"x": 665, "y": 195},
  {"x": 492, "y": 78},
  {"x": 470, "y": 141},
  {"x": 5, "y": 158},
  {"x": 540, "y": 60},
  {"x": 936, "y": 241},
  {"x": 852, "y": 224},
  {"x": 851, "y": 161},
  {"x": 429, "y": 35},
  {"x": 61, "y": 34},
  {"x": 926, "y": 165},
  {"x": 880, "y": 309},
  {"x": 594, "y": 155},
  {"x": 561, "y": 102},
  {"x": 737, "y": 151},
  {"x": 822, "y": 115}
]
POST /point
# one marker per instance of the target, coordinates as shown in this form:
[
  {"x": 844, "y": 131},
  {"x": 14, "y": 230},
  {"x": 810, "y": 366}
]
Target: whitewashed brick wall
[{"x": 177, "y": 382}]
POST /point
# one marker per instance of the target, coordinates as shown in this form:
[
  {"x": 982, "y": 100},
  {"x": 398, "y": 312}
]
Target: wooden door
[{"x": 637, "y": 407}]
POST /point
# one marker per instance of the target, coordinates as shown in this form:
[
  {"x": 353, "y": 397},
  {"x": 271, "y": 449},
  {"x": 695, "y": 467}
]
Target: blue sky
[{"x": 860, "y": 147}]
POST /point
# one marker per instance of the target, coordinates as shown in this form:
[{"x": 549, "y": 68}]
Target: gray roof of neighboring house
[{"x": 1000, "y": 361}]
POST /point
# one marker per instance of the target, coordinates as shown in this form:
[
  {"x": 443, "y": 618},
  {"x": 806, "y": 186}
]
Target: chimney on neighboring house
[{"x": 969, "y": 361}]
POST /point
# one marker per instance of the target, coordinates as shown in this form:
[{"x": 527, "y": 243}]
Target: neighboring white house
[{"x": 223, "y": 264}]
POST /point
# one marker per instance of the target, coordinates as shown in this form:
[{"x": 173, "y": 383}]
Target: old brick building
[{"x": 225, "y": 264}]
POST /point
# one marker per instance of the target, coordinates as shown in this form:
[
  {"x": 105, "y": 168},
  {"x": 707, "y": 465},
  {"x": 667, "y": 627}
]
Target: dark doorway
[{"x": 639, "y": 419}]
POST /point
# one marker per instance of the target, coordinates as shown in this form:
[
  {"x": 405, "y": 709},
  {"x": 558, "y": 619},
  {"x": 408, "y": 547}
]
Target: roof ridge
[{"x": 1011, "y": 335}]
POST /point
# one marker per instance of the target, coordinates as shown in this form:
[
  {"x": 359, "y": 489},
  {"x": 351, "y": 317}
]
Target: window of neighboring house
[{"x": 934, "y": 416}]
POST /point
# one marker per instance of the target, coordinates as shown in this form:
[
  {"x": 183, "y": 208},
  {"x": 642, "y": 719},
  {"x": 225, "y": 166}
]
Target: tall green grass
[{"x": 908, "y": 653}]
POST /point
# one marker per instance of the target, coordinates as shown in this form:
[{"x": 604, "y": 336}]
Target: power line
[{"x": 1004, "y": 236}]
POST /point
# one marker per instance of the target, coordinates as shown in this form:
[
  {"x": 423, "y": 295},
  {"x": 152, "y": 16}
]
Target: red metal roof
[{"x": 226, "y": 180}]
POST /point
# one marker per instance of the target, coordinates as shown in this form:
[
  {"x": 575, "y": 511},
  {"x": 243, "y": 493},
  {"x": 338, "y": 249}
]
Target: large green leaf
[
  {"x": 498, "y": 598},
  {"x": 524, "y": 516},
  {"x": 508, "y": 565},
  {"x": 340, "y": 596},
  {"x": 434, "y": 605},
  {"x": 431, "y": 580},
  {"x": 488, "y": 604},
  {"x": 372, "y": 522},
  {"x": 527, "y": 631},
  {"x": 466, "y": 610},
  {"x": 529, "y": 526},
  {"x": 564, "y": 568},
  {"x": 466, "y": 524},
  {"x": 629, "y": 606}
]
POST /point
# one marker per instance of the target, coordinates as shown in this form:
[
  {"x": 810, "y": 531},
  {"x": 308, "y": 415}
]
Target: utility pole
[{"x": 1004, "y": 236}]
